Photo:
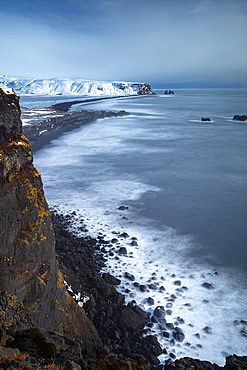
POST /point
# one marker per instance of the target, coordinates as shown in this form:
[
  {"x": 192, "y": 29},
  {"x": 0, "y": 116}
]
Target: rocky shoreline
[
  {"x": 120, "y": 326},
  {"x": 126, "y": 330},
  {"x": 57, "y": 309}
]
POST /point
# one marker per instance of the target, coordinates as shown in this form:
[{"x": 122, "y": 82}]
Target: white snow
[
  {"x": 81, "y": 87},
  {"x": 30, "y": 116},
  {"x": 6, "y": 89}
]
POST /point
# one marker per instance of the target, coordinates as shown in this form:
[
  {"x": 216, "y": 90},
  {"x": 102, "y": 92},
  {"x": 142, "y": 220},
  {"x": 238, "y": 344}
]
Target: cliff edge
[{"x": 28, "y": 267}]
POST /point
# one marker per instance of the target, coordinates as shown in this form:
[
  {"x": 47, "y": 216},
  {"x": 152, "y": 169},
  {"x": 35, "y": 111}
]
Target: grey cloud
[{"x": 130, "y": 42}]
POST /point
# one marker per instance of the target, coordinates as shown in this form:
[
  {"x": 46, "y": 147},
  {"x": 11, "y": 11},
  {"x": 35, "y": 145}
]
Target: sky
[{"x": 194, "y": 43}]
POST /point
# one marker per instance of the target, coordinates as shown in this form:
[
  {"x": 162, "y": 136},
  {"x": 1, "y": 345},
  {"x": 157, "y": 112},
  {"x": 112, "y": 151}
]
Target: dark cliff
[{"x": 28, "y": 265}]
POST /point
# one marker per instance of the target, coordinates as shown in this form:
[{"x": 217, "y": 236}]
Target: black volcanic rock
[
  {"x": 27, "y": 244},
  {"x": 10, "y": 113},
  {"x": 240, "y": 118},
  {"x": 145, "y": 88}
]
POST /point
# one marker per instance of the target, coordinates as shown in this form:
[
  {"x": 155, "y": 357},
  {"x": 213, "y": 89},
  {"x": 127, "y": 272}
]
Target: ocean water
[{"x": 185, "y": 185}]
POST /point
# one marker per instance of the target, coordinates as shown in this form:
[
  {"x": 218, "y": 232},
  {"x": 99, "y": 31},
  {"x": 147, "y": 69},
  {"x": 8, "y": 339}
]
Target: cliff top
[{"x": 10, "y": 122}]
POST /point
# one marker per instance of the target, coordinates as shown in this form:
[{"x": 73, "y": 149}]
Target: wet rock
[
  {"x": 153, "y": 286},
  {"x": 124, "y": 235},
  {"x": 143, "y": 288},
  {"x": 134, "y": 243},
  {"x": 240, "y": 118},
  {"x": 129, "y": 276},
  {"x": 140, "y": 312},
  {"x": 114, "y": 240},
  {"x": 122, "y": 250},
  {"x": 169, "y": 326},
  {"x": 150, "y": 301},
  {"x": 130, "y": 320},
  {"x": 154, "y": 346},
  {"x": 111, "y": 279},
  {"x": 173, "y": 296},
  {"x": 208, "y": 285},
  {"x": 178, "y": 334},
  {"x": 154, "y": 319},
  {"x": 243, "y": 332},
  {"x": 159, "y": 312},
  {"x": 123, "y": 208},
  {"x": 207, "y": 330},
  {"x": 166, "y": 334}
]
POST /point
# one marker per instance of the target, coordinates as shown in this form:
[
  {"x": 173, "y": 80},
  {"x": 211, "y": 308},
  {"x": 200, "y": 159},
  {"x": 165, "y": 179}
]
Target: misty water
[{"x": 185, "y": 185}]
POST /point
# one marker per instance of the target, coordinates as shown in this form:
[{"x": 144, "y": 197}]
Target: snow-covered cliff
[{"x": 56, "y": 86}]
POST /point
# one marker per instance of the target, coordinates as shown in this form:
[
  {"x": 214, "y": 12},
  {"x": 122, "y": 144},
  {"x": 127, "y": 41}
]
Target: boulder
[
  {"x": 150, "y": 301},
  {"x": 130, "y": 320},
  {"x": 208, "y": 285},
  {"x": 111, "y": 279},
  {"x": 122, "y": 250},
  {"x": 159, "y": 312},
  {"x": 129, "y": 276},
  {"x": 178, "y": 334}
]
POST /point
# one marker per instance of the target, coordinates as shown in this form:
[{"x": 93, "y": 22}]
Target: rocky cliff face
[{"x": 28, "y": 265}]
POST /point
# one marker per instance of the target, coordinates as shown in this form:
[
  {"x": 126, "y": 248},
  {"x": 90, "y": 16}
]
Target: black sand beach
[{"x": 42, "y": 133}]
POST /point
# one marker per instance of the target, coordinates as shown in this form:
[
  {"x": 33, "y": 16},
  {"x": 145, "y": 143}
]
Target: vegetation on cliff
[{"x": 27, "y": 250}]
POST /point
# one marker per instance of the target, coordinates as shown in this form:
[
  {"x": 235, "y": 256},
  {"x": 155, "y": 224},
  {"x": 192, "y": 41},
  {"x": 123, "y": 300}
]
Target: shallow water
[{"x": 184, "y": 182}]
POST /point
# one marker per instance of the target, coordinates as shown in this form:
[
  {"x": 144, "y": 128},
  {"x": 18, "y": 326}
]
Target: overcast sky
[{"x": 196, "y": 42}]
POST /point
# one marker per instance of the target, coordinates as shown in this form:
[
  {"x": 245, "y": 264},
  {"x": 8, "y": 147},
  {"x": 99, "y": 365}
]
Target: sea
[{"x": 181, "y": 185}]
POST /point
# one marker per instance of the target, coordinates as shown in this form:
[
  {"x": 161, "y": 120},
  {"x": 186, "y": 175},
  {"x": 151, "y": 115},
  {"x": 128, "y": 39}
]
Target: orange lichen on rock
[{"x": 27, "y": 246}]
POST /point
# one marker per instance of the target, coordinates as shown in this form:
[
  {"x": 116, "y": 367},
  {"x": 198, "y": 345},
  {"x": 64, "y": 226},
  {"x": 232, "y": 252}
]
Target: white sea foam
[
  {"x": 78, "y": 175},
  {"x": 162, "y": 252},
  {"x": 200, "y": 121},
  {"x": 159, "y": 256}
]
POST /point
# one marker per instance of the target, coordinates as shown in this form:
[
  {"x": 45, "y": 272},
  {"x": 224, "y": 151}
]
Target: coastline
[
  {"x": 44, "y": 132},
  {"x": 65, "y": 106},
  {"x": 41, "y": 139},
  {"x": 125, "y": 328}
]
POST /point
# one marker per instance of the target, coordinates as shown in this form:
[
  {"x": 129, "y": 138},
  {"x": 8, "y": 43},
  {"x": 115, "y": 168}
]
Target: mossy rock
[{"x": 32, "y": 340}]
